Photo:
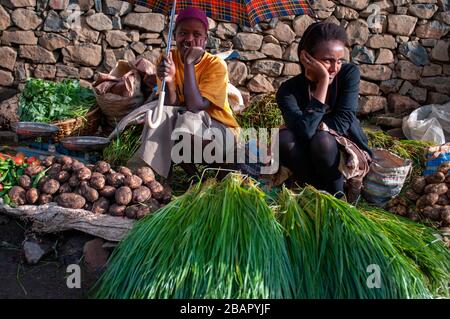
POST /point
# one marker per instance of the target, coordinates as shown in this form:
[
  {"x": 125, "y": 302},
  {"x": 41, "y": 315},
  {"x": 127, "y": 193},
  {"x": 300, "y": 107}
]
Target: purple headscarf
[{"x": 192, "y": 13}]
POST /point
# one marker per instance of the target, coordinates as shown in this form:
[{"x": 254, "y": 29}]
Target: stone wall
[{"x": 401, "y": 46}]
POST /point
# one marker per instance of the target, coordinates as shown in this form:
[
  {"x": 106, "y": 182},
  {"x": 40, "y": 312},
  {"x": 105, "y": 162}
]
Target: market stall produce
[
  {"x": 335, "y": 247},
  {"x": 72, "y": 184},
  {"x": 427, "y": 198},
  {"x": 225, "y": 240},
  {"x": 66, "y": 104},
  {"x": 218, "y": 240}
]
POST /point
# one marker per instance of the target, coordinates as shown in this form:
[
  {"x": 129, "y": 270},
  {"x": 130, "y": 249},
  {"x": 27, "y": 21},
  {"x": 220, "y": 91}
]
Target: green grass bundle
[
  {"x": 421, "y": 244},
  {"x": 261, "y": 113},
  {"x": 48, "y": 101},
  {"x": 120, "y": 150},
  {"x": 219, "y": 240},
  {"x": 412, "y": 149},
  {"x": 332, "y": 247}
]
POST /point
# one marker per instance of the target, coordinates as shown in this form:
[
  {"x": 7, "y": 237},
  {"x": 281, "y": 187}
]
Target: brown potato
[
  {"x": 141, "y": 194},
  {"x": 100, "y": 206},
  {"x": 142, "y": 211},
  {"x": 427, "y": 200},
  {"x": 88, "y": 206},
  {"x": 432, "y": 212},
  {"x": 74, "y": 181},
  {"x": 88, "y": 192},
  {"x": 102, "y": 167},
  {"x": 157, "y": 190},
  {"x": 146, "y": 174},
  {"x": 444, "y": 167},
  {"x": 399, "y": 210},
  {"x": 77, "y": 165},
  {"x": 412, "y": 195},
  {"x": 443, "y": 200},
  {"x": 439, "y": 189},
  {"x": 97, "y": 181},
  {"x": 34, "y": 170},
  {"x": 131, "y": 211},
  {"x": 402, "y": 201},
  {"x": 71, "y": 200},
  {"x": 18, "y": 195},
  {"x": 32, "y": 195},
  {"x": 67, "y": 167},
  {"x": 45, "y": 199},
  {"x": 84, "y": 174},
  {"x": 54, "y": 170},
  {"x": 63, "y": 176},
  {"x": 413, "y": 216},
  {"x": 25, "y": 181},
  {"x": 445, "y": 214},
  {"x": 123, "y": 195},
  {"x": 435, "y": 178},
  {"x": 153, "y": 204},
  {"x": 50, "y": 187},
  {"x": 107, "y": 191},
  {"x": 65, "y": 188},
  {"x": 115, "y": 179},
  {"x": 391, "y": 203},
  {"x": 43, "y": 180},
  {"x": 447, "y": 178},
  {"x": 48, "y": 161},
  {"x": 419, "y": 184},
  {"x": 117, "y": 210},
  {"x": 167, "y": 195},
  {"x": 125, "y": 171},
  {"x": 132, "y": 181},
  {"x": 64, "y": 159}
]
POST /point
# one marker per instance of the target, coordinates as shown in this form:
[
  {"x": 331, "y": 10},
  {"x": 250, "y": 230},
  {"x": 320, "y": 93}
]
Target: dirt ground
[{"x": 46, "y": 279}]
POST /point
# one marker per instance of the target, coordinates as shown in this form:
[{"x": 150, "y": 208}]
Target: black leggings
[{"x": 315, "y": 163}]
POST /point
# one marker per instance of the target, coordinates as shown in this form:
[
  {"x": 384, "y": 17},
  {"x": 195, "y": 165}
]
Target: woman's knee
[
  {"x": 286, "y": 140},
  {"x": 323, "y": 143}
]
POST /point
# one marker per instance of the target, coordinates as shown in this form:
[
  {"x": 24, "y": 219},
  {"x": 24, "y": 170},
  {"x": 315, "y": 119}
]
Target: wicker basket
[{"x": 87, "y": 125}]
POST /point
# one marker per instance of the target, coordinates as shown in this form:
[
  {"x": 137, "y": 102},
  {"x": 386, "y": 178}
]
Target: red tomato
[
  {"x": 20, "y": 155},
  {"x": 1, "y": 187},
  {"x": 31, "y": 159},
  {"x": 18, "y": 160}
]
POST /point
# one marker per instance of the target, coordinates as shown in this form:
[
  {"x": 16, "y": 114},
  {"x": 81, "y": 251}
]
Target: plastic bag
[
  {"x": 428, "y": 123},
  {"x": 436, "y": 155},
  {"x": 386, "y": 176}
]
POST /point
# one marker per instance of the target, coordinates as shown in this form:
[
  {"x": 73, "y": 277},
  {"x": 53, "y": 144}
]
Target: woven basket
[{"x": 87, "y": 125}]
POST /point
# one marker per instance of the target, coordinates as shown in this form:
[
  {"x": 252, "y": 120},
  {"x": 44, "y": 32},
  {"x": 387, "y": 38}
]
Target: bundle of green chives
[
  {"x": 417, "y": 242},
  {"x": 336, "y": 251},
  {"x": 219, "y": 240}
]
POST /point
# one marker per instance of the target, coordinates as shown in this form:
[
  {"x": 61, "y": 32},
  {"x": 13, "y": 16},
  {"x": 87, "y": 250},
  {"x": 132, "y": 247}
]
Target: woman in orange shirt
[{"x": 195, "y": 80}]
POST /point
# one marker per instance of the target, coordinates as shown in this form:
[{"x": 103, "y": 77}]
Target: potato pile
[
  {"x": 431, "y": 195},
  {"x": 96, "y": 188}
]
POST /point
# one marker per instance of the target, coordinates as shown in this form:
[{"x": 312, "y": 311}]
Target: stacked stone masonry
[{"x": 400, "y": 46}]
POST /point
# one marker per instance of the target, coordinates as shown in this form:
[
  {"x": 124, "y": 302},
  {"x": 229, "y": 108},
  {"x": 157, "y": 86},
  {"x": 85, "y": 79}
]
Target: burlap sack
[{"x": 119, "y": 92}]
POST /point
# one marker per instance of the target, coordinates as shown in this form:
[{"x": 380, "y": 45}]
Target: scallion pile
[
  {"x": 219, "y": 240},
  {"x": 230, "y": 240},
  {"x": 334, "y": 249}
]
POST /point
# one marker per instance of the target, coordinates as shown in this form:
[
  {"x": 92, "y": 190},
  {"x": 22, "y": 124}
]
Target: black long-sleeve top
[{"x": 302, "y": 114}]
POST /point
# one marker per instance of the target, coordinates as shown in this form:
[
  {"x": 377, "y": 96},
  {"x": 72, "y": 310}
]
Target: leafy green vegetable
[
  {"x": 215, "y": 241},
  {"x": 47, "y": 101},
  {"x": 332, "y": 244},
  {"x": 120, "y": 150}
]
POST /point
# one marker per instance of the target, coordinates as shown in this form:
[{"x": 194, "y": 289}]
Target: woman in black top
[{"x": 320, "y": 100}]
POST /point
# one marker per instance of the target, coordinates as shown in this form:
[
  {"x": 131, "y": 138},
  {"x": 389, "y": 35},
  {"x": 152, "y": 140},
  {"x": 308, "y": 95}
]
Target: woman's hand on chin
[{"x": 314, "y": 70}]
